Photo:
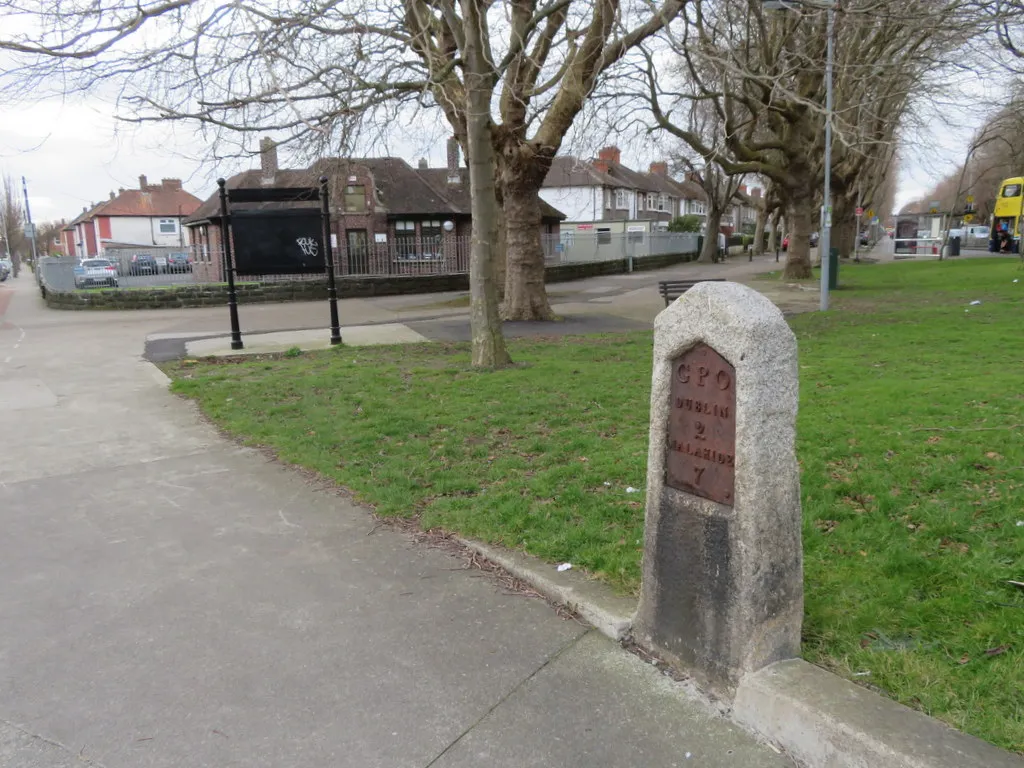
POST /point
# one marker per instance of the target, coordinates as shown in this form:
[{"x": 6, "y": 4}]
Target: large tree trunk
[
  {"x": 844, "y": 230},
  {"x": 525, "y": 296},
  {"x": 522, "y": 167},
  {"x": 709, "y": 250},
  {"x": 775, "y": 236},
  {"x": 800, "y": 219},
  {"x": 488, "y": 343},
  {"x": 762, "y": 219}
]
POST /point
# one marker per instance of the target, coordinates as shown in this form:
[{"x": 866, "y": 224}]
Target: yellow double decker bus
[{"x": 1006, "y": 217}]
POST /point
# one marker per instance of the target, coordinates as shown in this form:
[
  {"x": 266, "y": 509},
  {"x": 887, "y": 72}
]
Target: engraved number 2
[{"x": 699, "y": 426}]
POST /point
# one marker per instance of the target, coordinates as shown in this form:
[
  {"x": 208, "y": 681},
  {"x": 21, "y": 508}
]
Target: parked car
[
  {"x": 865, "y": 239},
  {"x": 142, "y": 264},
  {"x": 178, "y": 262},
  {"x": 95, "y": 272},
  {"x": 6, "y": 268}
]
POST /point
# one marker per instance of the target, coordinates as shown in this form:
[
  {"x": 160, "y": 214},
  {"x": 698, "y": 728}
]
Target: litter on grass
[{"x": 564, "y": 567}]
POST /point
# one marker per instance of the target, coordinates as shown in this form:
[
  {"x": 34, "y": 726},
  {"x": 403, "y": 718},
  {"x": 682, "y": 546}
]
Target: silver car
[{"x": 95, "y": 272}]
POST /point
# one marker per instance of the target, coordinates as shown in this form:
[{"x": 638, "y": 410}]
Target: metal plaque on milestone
[{"x": 702, "y": 425}]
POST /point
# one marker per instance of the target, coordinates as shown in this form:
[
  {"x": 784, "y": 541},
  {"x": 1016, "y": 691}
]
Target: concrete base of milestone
[{"x": 818, "y": 718}]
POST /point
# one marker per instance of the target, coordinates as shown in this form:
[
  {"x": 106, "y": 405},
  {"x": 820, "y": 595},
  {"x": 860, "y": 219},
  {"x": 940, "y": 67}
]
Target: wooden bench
[{"x": 671, "y": 290}]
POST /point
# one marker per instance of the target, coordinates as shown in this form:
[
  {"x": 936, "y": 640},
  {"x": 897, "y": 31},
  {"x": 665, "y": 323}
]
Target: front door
[{"x": 358, "y": 251}]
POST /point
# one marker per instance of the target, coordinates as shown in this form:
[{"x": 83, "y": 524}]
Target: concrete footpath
[
  {"x": 170, "y": 599},
  {"x": 606, "y": 304}
]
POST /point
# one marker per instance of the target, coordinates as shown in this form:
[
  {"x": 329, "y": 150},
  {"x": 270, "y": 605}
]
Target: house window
[
  {"x": 650, "y": 201},
  {"x": 405, "y": 239},
  {"x": 608, "y": 199},
  {"x": 430, "y": 236},
  {"x": 355, "y": 198},
  {"x": 168, "y": 227},
  {"x": 621, "y": 200},
  {"x": 604, "y": 236},
  {"x": 697, "y": 207},
  {"x": 662, "y": 202},
  {"x": 639, "y": 202}
]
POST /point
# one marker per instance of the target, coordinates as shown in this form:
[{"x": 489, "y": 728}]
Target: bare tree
[
  {"x": 12, "y": 221},
  {"x": 763, "y": 74},
  {"x": 707, "y": 169},
  {"x": 325, "y": 72}
]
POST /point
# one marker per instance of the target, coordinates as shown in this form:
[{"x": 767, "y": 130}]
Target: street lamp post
[{"x": 825, "y": 241}]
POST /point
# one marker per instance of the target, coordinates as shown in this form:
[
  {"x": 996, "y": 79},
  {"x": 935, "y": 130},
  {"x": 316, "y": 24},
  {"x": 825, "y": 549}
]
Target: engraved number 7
[{"x": 698, "y": 471}]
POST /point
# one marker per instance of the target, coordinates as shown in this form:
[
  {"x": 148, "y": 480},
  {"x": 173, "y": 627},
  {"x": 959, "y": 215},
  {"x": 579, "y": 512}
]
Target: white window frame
[
  {"x": 697, "y": 207},
  {"x": 172, "y": 222},
  {"x": 621, "y": 200},
  {"x": 662, "y": 202},
  {"x": 651, "y": 201}
]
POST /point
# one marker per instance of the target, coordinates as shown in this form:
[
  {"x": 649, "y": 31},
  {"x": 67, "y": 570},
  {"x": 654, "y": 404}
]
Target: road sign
[
  {"x": 871, "y": 214},
  {"x": 860, "y": 211},
  {"x": 934, "y": 207},
  {"x": 968, "y": 218},
  {"x": 970, "y": 198},
  {"x": 30, "y": 231}
]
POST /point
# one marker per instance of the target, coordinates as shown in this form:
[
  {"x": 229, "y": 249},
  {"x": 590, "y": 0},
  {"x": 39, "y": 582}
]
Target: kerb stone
[{"x": 722, "y": 591}]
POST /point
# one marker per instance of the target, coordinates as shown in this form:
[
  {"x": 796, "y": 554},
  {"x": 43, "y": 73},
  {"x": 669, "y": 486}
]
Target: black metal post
[
  {"x": 229, "y": 268},
  {"x": 332, "y": 290}
]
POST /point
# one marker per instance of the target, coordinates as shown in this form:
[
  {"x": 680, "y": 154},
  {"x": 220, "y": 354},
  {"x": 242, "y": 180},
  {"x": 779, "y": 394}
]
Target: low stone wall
[{"x": 216, "y": 294}]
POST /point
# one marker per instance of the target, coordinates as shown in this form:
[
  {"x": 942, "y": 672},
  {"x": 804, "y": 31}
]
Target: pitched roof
[
  {"x": 627, "y": 177},
  {"x": 87, "y": 214},
  {"x": 402, "y": 188},
  {"x": 460, "y": 197},
  {"x": 573, "y": 172},
  {"x": 399, "y": 190},
  {"x": 155, "y": 200},
  {"x": 663, "y": 184},
  {"x": 210, "y": 207}
]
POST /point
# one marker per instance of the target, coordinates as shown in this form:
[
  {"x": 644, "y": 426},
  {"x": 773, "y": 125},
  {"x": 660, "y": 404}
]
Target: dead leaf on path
[
  {"x": 826, "y": 526},
  {"x": 934, "y": 439},
  {"x": 964, "y": 659},
  {"x": 997, "y": 651}
]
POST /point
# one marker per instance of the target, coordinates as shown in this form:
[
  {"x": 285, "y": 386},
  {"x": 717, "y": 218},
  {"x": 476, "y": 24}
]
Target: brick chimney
[
  {"x": 268, "y": 161},
  {"x": 659, "y": 169},
  {"x": 610, "y": 155},
  {"x": 454, "y": 177},
  {"x": 112, "y": 195},
  {"x": 423, "y": 164},
  {"x": 170, "y": 183},
  {"x": 143, "y": 183},
  {"x": 601, "y": 165}
]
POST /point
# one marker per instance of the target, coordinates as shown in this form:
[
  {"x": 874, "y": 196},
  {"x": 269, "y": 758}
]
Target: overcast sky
[{"x": 75, "y": 153}]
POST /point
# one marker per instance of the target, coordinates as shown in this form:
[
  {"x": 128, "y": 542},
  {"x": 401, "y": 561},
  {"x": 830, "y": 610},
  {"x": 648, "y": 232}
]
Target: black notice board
[{"x": 278, "y": 242}]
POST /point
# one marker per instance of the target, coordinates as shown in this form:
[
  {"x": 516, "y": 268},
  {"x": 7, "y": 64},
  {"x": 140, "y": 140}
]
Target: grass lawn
[{"x": 910, "y": 443}]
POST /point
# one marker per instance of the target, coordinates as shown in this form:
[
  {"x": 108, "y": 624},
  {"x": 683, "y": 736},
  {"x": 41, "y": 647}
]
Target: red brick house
[
  {"x": 148, "y": 217},
  {"x": 386, "y": 216}
]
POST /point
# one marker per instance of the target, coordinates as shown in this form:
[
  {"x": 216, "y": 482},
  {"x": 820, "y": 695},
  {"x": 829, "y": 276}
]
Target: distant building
[
  {"x": 385, "y": 214},
  {"x": 147, "y": 217}
]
